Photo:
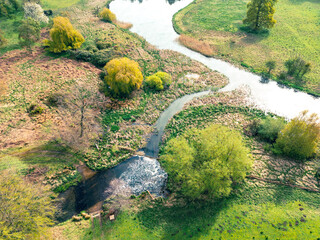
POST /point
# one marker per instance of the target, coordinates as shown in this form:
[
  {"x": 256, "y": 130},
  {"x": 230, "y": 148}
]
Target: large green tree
[
  {"x": 26, "y": 210},
  {"x": 205, "y": 163},
  {"x": 260, "y": 14}
]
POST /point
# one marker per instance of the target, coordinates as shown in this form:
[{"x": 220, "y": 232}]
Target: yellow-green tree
[
  {"x": 205, "y": 163},
  {"x": 260, "y": 14},
  {"x": 300, "y": 137},
  {"x": 63, "y": 36},
  {"x": 26, "y": 210},
  {"x": 107, "y": 15},
  {"x": 123, "y": 76}
]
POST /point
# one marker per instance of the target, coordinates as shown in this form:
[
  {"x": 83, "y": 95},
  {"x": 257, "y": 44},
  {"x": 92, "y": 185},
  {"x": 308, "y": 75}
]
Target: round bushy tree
[
  {"x": 300, "y": 137},
  {"x": 63, "y": 36},
  {"x": 123, "y": 76},
  {"x": 107, "y": 15},
  {"x": 205, "y": 163}
]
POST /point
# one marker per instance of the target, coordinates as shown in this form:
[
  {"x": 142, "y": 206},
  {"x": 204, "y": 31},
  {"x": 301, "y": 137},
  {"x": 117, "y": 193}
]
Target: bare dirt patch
[{"x": 33, "y": 79}]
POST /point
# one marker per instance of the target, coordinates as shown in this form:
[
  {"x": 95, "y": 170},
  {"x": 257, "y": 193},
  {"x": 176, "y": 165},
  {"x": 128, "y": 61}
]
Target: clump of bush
[
  {"x": 270, "y": 127},
  {"x": 158, "y": 81},
  {"x": 206, "y": 163},
  {"x": 107, "y": 15},
  {"x": 35, "y": 11},
  {"x": 300, "y": 138},
  {"x": 154, "y": 82},
  {"x": 35, "y": 109},
  {"x": 123, "y": 76},
  {"x": 102, "y": 44},
  {"x": 29, "y": 32},
  {"x": 297, "y": 67},
  {"x": 63, "y": 36}
]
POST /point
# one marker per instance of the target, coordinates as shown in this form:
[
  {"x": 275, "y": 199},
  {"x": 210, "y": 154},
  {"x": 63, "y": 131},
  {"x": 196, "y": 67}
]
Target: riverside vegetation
[
  {"x": 71, "y": 105},
  {"x": 219, "y": 24}
]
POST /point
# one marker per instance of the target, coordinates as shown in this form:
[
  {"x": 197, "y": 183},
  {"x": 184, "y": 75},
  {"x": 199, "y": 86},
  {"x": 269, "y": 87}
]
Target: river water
[{"x": 152, "y": 19}]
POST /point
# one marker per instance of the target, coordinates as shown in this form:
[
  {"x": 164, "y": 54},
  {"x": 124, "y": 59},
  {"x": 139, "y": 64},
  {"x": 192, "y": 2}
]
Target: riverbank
[{"x": 219, "y": 25}]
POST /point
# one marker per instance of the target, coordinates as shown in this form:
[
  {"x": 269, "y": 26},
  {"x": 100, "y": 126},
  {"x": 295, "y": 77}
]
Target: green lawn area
[
  {"x": 9, "y": 27},
  {"x": 255, "y": 212},
  {"x": 296, "y": 33}
]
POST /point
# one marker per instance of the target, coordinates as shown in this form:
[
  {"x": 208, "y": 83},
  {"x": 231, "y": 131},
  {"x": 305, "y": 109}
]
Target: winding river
[{"x": 152, "y": 19}]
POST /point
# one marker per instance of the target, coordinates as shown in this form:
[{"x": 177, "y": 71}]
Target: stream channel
[{"x": 152, "y": 19}]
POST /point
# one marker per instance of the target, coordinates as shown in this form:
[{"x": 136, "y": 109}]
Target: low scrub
[
  {"x": 107, "y": 15},
  {"x": 270, "y": 127},
  {"x": 196, "y": 45}
]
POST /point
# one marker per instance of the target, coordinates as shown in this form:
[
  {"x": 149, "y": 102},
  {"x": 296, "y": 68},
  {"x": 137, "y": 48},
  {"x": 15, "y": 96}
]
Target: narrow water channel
[{"x": 152, "y": 19}]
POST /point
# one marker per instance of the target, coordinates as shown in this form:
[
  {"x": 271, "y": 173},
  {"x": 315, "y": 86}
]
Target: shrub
[
  {"x": 101, "y": 44},
  {"x": 114, "y": 128},
  {"x": 158, "y": 81},
  {"x": 297, "y": 67},
  {"x": 205, "y": 163},
  {"x": 165, "y": 78},
  {"x": 270, "y": 127},
  {"x": 35, "y": 109},
  {"x": 63, "y": 36},
  {"x": 107, "y": 15},
  {"x": 3, "y": 40},
  {"x": 124, "y": 76},
  {"x": 29, "y": 32},
  {"x": 271, "y": 65},
  {"x": 300, "y": 137},
  {"x": 35, "y": 11},
  {"x": 154, "y": 82}
]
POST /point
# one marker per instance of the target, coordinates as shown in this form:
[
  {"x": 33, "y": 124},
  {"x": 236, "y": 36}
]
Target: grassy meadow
[
  {"x": 255, "y": 212},
  {"x": 296, "y": 34}
]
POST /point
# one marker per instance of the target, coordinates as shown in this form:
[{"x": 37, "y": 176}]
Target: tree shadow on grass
[
  {"x": 182, "y": 220},
  {"x": 252, "y": 37},
  {"x": 52, "y": 153}
]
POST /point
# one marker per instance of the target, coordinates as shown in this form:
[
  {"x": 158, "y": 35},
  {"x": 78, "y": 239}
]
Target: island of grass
[{"x": 296, "y": 33}]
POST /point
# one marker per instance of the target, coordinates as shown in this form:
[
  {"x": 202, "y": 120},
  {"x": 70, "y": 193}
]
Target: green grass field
[
  {"x": 57, "y": 4},
  {"x": 255, "y": 212},
  {"x": 296, "y": 33}
]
